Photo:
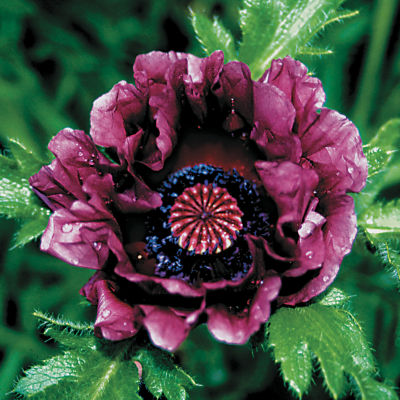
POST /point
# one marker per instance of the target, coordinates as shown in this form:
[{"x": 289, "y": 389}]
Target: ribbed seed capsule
[{"x": 205, "y": 219}]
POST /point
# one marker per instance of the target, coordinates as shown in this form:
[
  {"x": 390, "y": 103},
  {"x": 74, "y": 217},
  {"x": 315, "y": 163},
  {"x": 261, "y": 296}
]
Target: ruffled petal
[
  {"x": 291, "y": 187},
  {"x": 115, "y": 320},
  {"x": 339, "y": 233},
  {"x": 234, "y": 91},
  {"x": 274, "y": 146},
  {"x": 166, "y": 329},
  {"x": 304, "y": 91},
  {"x": 235, "y": 328},
  {"x": 122, "y": 107},
  {"x": 83, "y": 236},
  {"x": 333, "y": 146},
  {"x": 272, "y": 109},
  {"x": 310, "y": 252},
  {"x": 77, "y": 160}
]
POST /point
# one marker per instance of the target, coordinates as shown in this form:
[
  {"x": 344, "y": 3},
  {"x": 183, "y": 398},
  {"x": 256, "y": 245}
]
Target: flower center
[
  {"x": 205, "y": 219},
  {"x": 199, "y": 233}
]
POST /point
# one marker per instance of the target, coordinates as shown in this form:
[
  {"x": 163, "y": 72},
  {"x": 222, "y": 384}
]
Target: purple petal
[
  {"x": 334, "y": 147},
  {"x": 235, "y": 95},
  {"x": 111, "y": 113},
  {"x": 272, "y": 109},
  {"x": 304, "y": 91},
  {"x": 291, "y": 187},
  {"x": 339, "y": 233},
  {"x": 276, "y": 146},
  {"x": 237, "y": 329},
  {"x": 166, "y": 329},
  {"x": 82, "y": 236},
  {"x": 115, "y": 320}
]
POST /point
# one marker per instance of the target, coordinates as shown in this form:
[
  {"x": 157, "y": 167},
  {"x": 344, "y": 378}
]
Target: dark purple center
[{"x": 199, "y": 233}]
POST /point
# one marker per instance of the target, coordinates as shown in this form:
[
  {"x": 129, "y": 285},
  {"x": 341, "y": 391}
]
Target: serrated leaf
[
  {"x": 50, "y": 322},
  {"x": 388, "y": 252},
  {"x": 380, "y": 149},
  {"x": 313, "y": 51},
  {"x": 40, "y": 377},
  {"x": 162, "y": 376},
  {"x": 17, "y": 199},
  {"x": 27, "y": 162},
  {"x": 30, "y": 230},
  {"x": 387, "y": 136},
  {"x": 94, "y": 369},
  {"x": 381, "y": 221},
  {"x": 213, "y": 35},
  {"x": 275, "y": 28},
  {"x": 334, "y": 297},
  {"x": 334, "y": 338},
  {"x": 379, "y": 152}
]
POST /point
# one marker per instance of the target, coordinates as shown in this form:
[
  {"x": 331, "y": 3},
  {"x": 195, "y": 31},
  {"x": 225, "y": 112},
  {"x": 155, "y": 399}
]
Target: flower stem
[{"x": 384, "y": 12}]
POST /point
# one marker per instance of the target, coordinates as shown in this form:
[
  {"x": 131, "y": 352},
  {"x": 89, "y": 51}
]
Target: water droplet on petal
[
  {"x": 350, "y": 170},
  {"x": 67, "y": 228},
  {"x": 80, "y": 154},
  {"x": 309, "y": 254},
  {"x": 106, "y": 313},
  {"x": 325, "y": 278},
  {"x": 97, "y": 246}
]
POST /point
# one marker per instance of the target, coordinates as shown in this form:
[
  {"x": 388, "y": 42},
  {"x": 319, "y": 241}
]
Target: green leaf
[
  {"x": 213, "y": 35},
  {"x": 379, "y": 151},
  {"x": 314, "y": 51},
  {"x": 94, "y": 369},
  {"x": 388, "y": 252},
  {"x": 380, "y": 224},
  {"x": 162, "y": 376},
  {"x": 40, "y": 377},
  {"x": 332, "y": 336},
  {"x": 30, "y": 230},
  {"x": 276, "y": 28},
  {"x": 17, "y": 199},
  {"x": 381, "y": 221}
]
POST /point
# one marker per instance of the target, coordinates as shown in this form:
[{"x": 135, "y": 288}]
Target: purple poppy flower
[{"x": 214, "y": 198}]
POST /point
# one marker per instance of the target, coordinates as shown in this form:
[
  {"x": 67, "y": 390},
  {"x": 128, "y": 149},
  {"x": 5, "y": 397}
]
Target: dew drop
[
  {"x": 325, "y": 278},
  {"x": 350, "y": 170},
  {"x": 67, "y": 228},
  {"x": 309, "y": 254},
  {"x": 80, "y": 154},
  {"x": 106, "y": 313},
  {"x": 97, "y": 246}
]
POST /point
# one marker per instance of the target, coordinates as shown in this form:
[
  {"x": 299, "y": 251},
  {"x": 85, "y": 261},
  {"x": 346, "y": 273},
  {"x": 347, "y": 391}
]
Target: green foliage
[
  {"x": 16, "y": 197},
  {"x": 274, "y": 29},
  {"x": 380, "y": 221},
  {"x": 57, "y": 57},
  {"x": 94, "y": 369},
  {"x": 271, "y": 29},
  {"x": 381, "y": 226},
  {"x": 328, "y": 333},
  {"x": 161, "y": 376},
  {"x": 213, "y": 36}
]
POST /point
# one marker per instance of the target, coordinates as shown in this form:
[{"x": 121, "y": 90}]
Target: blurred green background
[{"x": 57, "y": 56}]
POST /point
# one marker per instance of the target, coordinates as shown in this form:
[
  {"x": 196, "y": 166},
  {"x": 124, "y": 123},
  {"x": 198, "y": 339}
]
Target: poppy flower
[{"x": 202, "y": 196}]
